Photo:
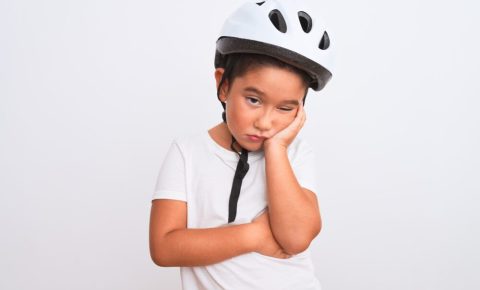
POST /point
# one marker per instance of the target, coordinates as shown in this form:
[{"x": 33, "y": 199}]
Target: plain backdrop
[{"x": 92, "y": 93}]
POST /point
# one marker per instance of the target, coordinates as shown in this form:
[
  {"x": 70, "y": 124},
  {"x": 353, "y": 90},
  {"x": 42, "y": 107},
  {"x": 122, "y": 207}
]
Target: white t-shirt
[{"x": 200, "y": 172}]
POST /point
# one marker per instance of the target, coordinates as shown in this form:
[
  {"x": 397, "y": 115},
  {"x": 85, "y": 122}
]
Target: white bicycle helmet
[{"x": 288, "y": 30}]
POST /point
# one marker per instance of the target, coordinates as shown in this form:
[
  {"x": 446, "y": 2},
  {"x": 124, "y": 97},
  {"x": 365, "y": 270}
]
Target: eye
[
  {"x": 252, "y": 101},
  {"x": 287, "y": 109}
]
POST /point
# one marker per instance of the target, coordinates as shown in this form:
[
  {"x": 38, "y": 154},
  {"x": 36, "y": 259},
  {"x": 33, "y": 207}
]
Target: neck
[
  {"x": 221, "y": 134},
  {"x": 227, "y": 135}
]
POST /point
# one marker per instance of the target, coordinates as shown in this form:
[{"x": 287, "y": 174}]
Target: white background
[{"x": 92, "y": 92}]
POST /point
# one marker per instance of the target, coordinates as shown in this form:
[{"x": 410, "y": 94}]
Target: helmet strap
[{"x": 240, "y": 172}]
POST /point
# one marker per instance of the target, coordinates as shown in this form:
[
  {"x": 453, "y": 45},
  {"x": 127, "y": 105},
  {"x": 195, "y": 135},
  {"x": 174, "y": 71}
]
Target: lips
[{"x": 256, "y": 138}]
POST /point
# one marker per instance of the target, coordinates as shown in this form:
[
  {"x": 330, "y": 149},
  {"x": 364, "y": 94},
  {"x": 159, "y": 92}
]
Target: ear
[{"x": 218, "y": 77}]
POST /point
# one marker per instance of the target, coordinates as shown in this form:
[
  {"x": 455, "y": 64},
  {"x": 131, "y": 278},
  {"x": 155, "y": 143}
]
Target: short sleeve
[
  {"x": 304, "y": 167},
  {"x": 171, "y": 181}
]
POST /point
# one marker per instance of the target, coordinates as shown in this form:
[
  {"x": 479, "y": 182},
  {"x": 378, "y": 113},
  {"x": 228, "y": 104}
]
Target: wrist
[{"x": 274, "y": 148}]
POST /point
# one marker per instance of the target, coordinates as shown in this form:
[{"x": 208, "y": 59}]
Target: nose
[{"x": 263, "y": 122}]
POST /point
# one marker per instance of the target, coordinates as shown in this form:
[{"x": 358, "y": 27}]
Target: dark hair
[{"x": 237, "y": 64}]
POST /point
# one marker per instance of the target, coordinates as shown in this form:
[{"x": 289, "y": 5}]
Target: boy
[{"x": 254, "y": 233}]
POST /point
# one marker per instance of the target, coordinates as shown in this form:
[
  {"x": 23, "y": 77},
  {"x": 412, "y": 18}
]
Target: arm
[
  {"x": 294, "y": 213},
  {"x": 172, "y": 244}
]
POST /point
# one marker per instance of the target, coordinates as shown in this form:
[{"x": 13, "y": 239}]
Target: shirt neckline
[{"x": 230, "y": 155}]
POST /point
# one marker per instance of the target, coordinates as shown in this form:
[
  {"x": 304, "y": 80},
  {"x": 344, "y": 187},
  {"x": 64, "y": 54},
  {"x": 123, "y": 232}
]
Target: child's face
[{"x": 262, "y": 102}]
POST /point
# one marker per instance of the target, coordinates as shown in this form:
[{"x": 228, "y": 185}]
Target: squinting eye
[{"x": 286, "y": 109}]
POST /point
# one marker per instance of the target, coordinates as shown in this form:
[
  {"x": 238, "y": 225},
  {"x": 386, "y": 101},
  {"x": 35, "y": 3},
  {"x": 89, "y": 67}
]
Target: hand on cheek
[{"x": 285, "y": 137}]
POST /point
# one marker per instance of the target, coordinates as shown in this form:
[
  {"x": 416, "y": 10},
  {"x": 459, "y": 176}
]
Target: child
[{"x": 254, "y": 232}]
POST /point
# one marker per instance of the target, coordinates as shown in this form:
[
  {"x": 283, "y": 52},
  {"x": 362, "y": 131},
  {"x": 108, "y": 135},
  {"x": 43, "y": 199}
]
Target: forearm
[
  {"x": 294, "y": 216},
  {"x": 199, "y": 247}
]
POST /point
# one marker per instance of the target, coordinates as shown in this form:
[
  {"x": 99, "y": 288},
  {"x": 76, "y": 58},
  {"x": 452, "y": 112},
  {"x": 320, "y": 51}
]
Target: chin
[
  {"x": 253, "y": 147},
  {"x": 250, "y": 146}
]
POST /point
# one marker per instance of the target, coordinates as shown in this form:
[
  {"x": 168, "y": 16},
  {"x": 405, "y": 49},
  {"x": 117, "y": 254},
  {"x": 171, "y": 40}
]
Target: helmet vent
[
  {"x": 324, "y": 42},
  {"x": 278, "y": 21},
  {"x": 305, "y": 21},
  {"x": 260, "y": 3}
]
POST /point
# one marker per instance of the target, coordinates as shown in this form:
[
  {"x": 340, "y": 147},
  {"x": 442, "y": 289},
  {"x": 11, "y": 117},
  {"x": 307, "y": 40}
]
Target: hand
[
  {"x": 284, "y": 137},
  {"x": 267, "y": 245}
]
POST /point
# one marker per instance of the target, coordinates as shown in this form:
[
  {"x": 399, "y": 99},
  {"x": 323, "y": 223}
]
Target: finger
[
  {"x": 295, "y": 122},
  {"x": 300, "y": 109},
  {"x": 302, "y": 120},
  {"x": 303, "y": 123},
  {"x": 301, "y": 113},
  {"x": 304, "y": 115}
]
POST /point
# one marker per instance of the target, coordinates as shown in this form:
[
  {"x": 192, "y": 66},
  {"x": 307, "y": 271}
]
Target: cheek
[
  {"x": 284, "y": 120},
  {"x": 236, "y": 116},
  {"x": 239, "y": 111}
]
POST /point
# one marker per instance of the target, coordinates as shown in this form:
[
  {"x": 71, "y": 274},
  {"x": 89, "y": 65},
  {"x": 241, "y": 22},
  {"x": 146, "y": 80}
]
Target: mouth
[{"x": 255, "y": 138}]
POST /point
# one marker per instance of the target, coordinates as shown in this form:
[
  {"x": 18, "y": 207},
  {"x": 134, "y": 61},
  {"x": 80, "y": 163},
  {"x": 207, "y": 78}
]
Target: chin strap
[{"x": 240, "y": 172}]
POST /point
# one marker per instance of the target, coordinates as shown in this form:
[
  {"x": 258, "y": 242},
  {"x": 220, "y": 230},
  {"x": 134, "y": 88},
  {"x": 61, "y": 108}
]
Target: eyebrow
[
  {"x": 254, "y": 90},
  {"x": 290, "y": 102},
  {"x": 261, "y": 93}
]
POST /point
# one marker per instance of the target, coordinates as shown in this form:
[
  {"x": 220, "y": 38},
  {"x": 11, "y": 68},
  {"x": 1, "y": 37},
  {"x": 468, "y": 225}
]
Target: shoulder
[
  {"x": 187, "y": 138},
  {"x": 189, "y": 141}
]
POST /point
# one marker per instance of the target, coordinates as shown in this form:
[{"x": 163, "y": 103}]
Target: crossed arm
[
  {"x": 293, "y": 210},
  {"x": 172, "y": 244},
  {"x": 294, "y": 221}
]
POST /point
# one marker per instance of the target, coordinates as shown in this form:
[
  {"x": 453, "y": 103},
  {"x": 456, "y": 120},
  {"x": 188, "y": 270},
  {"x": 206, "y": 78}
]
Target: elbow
[
  {"x": 159, "y": 256},
  {"x": 296, "y": 246},
  {"x": 157, "y": 260},
  {"x": 300, "y": 243},
  {"x": 160, "y": 260}
]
